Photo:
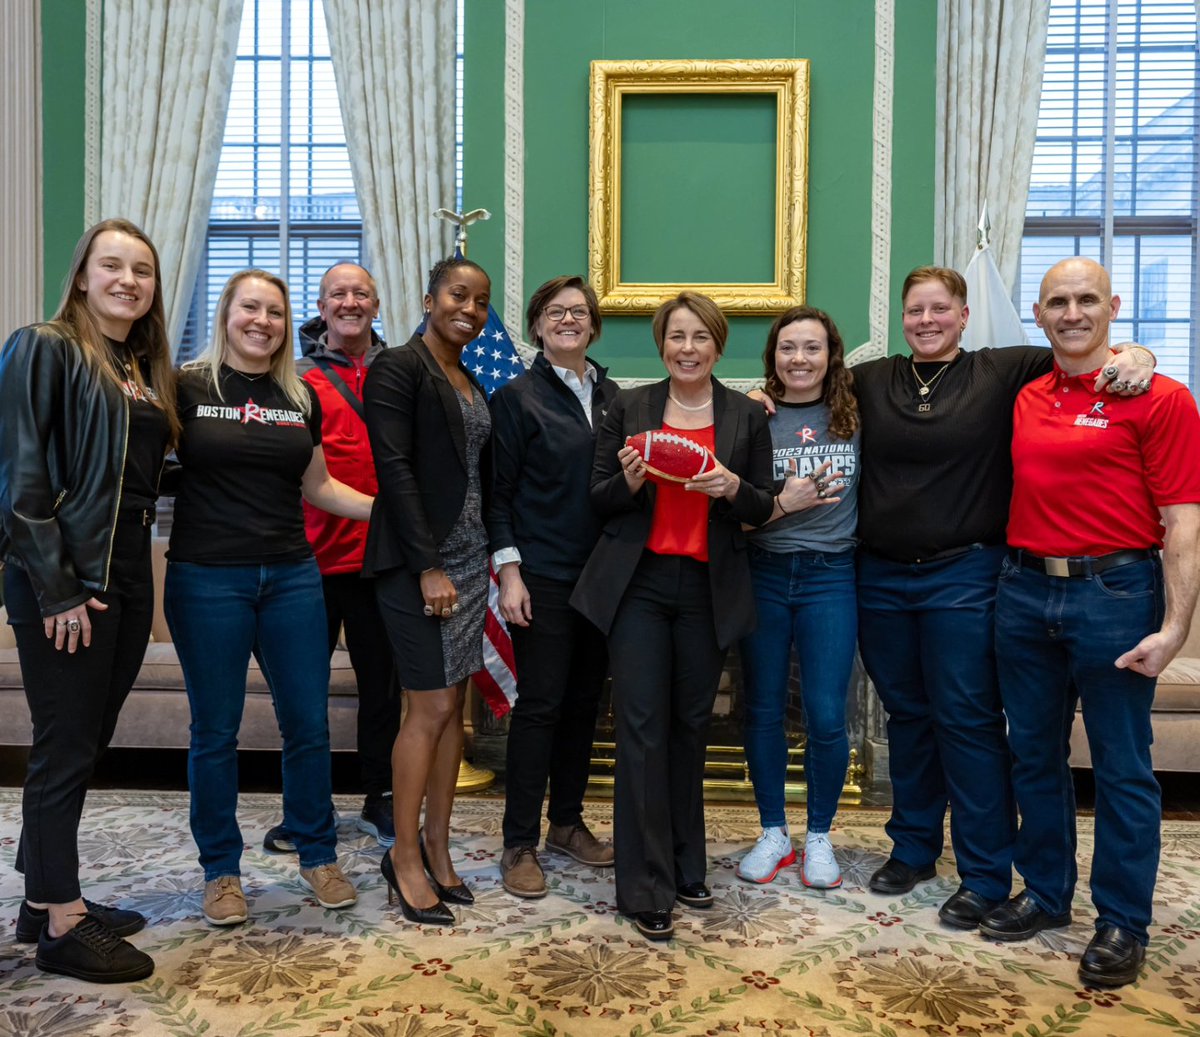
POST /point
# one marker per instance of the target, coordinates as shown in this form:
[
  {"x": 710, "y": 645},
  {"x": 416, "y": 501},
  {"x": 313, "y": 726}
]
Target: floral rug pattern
[{"x": 764, "y": 961}]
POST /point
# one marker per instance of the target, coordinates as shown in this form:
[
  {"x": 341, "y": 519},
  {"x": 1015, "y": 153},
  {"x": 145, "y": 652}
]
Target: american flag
[{"x": 494, "y": 360}]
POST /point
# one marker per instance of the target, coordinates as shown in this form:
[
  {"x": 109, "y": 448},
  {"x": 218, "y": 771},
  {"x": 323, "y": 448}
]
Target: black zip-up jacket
[
  {"x": 542, "y": 451},
  {"x": 63, "y": 433}
]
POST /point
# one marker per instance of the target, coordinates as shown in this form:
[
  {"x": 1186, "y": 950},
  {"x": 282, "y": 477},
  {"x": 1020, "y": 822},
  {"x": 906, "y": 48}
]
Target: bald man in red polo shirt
[{"x": 1095, "y": 599}]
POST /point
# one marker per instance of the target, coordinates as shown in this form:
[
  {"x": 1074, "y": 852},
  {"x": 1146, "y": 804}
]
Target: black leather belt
[
  {"x": 937, "y": 556},
  {"x": 1083, "y": 565}
]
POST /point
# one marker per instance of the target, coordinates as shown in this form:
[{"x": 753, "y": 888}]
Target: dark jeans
[
  {"x": 218, "y": 615},
  {"x": 805, "y": 600},
  {"x": 350, "y": 600},
  {"x": 1056, "y": 640},
  {"x": 74, "y": 700},
  {"x": 666, "y": 667},
  {"x": 926, "y": 633},
  {"x": 561, "y": 663}
]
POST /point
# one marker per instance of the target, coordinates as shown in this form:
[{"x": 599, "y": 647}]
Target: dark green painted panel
[
  {"x": 698, "y": 188},
  {"x": 64, "y": 41}
]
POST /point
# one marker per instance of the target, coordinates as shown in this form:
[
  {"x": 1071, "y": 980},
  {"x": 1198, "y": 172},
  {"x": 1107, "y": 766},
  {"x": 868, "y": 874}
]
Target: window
[
  {"x": 284, "y": 197},
  {"x": 1114, "y": 167}
]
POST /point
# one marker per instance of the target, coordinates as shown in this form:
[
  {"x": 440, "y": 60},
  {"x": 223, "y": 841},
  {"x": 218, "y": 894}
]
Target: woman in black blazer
[
  {"x": 667, "y": 556},
  {"x": 428, "y": 421}
]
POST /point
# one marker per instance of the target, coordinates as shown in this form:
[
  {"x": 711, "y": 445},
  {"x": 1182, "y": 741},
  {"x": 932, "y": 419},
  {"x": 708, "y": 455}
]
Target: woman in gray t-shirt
[{"x": 802, "y": 565}]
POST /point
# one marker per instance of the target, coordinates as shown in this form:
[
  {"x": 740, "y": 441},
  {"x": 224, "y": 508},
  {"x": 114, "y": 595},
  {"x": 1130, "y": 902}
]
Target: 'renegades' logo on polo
[
  {"x": 1094, "y": 418},
  {"x": 252, "y": 412}
]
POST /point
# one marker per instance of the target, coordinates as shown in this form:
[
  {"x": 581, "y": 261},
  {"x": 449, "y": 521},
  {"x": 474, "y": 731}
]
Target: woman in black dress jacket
[
  {"x": 666, "y": 557},
  {"x": 428, "y": 421}
]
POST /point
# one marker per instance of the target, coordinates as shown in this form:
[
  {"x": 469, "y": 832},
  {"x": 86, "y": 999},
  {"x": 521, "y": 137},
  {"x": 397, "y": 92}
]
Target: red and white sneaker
[
  {"x": 819, "y": 867},
  {"x": 771, "y": 854}
]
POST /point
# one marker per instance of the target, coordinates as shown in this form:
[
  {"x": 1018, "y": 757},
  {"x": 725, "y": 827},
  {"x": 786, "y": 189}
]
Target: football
[{"x": 670, "y": 456}]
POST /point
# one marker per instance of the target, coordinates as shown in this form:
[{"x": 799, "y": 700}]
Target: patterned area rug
[{"x": 763, "y": 961}]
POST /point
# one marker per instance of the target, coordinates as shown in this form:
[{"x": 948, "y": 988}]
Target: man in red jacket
[{"x": 338, "y": 348}]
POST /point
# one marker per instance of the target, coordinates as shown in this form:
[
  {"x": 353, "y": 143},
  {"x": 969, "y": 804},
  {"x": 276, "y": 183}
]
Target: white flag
[{"x": 994, "y": 320}]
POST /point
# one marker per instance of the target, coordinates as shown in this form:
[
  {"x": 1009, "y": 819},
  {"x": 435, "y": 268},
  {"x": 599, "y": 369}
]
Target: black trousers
[
  {"x": 562, "y": 663},
  {"x": 350, "y": 600},
  {"x": 666, "y": 667},
  {"x": 74, "y": 701}
]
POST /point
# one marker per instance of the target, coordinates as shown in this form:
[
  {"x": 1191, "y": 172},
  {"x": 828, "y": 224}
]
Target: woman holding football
[
  {"x": 669, "y": 552},
  {"x": 802, "y": 566},
  {"x": 542, "y": 530}
]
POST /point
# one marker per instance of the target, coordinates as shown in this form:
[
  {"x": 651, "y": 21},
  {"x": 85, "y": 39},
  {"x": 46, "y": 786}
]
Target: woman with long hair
[
  {"x": 802, "y": 566},
  {"x": 87, "y": 412},
  {"x": 670, "y": 585},
  {"x": 242, "y": 579},
  {"x": 428, "y": 420}
]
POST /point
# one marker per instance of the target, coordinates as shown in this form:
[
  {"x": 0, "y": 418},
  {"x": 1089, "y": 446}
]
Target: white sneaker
[
  {"x": 819, "y": 867},
  {"x": 771, "y": 854}
]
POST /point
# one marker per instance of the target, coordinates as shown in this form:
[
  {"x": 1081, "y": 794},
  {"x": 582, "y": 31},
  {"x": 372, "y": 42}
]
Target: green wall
[
  {"x": 562, "y": 38},
  {"x": 64, "y": 40}
]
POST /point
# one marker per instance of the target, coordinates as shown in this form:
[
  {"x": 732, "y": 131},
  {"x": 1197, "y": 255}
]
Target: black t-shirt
[
  {"x": 149, "y": 431},
  {"x": 243, "y": 459},
  {"x": 939, "y": 478}
]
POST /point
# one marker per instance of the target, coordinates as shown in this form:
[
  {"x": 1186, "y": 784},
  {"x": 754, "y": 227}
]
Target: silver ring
[
  {"x": 455, "y": 607},
  {"x": 445, "y": 612},
  {"x": 822, "y": 493},
  {"x": 73, "y": 626},
  {"x": 1144, "y": 384},
  {"x": 1119, "y": 386},
  {"x": 60, "y": 622},
  {"x": 813, "y": 476},
  {"x": 1110, "y": 371},
  {"x": 428, "y": 610}
]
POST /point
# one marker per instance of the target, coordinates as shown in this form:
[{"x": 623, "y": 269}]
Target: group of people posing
[{"x": 1004, "y": 532}]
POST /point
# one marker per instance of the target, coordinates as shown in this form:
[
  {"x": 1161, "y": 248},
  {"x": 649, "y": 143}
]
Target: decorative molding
[
  {"x": 881, "y": 172},
  {"x": 21, "y": 166},
  {"x": 514, "y": 166},
  {"x": 93, "y": 77},
  {"x": 611, "y": 81}
]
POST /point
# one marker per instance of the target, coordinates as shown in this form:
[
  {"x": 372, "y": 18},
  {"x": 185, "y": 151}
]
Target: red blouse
[{"x": 680, "y": 523}]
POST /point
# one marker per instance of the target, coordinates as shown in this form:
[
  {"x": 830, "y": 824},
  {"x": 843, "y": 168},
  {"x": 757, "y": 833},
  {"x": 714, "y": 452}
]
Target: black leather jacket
[{"x": 63, "y": 433}]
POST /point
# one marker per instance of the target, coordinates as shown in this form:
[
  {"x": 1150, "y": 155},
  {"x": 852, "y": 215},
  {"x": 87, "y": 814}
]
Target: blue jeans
[
  {"x": 805, "y": 599},
  {"x": 218, "y": 615},
  {"x": 926, "y": 632},
  {"x": 1056, "y": 640}
]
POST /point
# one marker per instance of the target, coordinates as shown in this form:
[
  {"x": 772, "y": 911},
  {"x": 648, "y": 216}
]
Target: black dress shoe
[
  {"x": 898, "y": 877},
  {"x": 1019, "y": 919},
  {"x": 1112, "y": 959},
  {"x": 654, "y": 925},
  {"x": 123, "y": 923},
  {"x": 694, "y": 894},
  {"x": 460, "y": 894},
  {"x": 93, "y": 952},
  {"x": 965, "y": 909},
  {"x": 438, "y": 914}
]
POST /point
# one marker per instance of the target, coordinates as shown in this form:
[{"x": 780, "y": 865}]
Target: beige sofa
[{"x": 156, "y": 714}]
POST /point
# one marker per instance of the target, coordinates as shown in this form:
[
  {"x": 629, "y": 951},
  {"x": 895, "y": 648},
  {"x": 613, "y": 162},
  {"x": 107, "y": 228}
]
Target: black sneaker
[
  {"x": 93, "y": 952},
  {"x": 376, "y": 818},
  {"x": 123, "y": 923},
  {"x": 278, "y": 840}
]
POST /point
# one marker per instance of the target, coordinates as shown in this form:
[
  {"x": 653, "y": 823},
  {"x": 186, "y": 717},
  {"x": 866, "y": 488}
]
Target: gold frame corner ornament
[{"x": 788, "y": 80}]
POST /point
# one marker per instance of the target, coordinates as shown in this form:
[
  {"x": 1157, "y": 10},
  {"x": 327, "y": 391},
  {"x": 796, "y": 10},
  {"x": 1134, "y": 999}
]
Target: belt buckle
[
  {"x": 1057, "y": 566},
  {"x": 147, "y": 517}
]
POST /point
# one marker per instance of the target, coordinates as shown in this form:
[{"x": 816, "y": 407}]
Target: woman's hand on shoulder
[
  {"x": 760, "y": 397},
  {"x": 72, "y": 628}
]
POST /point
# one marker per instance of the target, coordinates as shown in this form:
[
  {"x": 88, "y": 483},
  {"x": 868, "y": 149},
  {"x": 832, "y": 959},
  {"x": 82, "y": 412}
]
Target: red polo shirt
[{"x": 1091, "y": 470}]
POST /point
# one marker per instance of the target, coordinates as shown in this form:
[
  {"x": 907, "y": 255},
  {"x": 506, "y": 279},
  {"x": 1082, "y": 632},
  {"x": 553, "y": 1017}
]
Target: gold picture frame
[{"x": 611, "y": 82}]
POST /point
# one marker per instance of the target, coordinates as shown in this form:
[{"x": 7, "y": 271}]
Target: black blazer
[
  {"x": 420, "y": 446},
  {"x": 743, "y": 445}
]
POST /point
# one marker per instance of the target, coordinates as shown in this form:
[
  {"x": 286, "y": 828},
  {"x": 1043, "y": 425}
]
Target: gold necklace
[{"x": 925, "y": 386}]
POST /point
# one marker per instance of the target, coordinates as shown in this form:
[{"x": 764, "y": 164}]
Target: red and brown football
[{"x": 670, "y": 456}]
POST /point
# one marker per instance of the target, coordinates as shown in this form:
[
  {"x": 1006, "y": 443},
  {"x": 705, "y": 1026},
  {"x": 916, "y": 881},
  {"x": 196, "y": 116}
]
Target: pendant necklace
[{"x": 925, "y": 386}]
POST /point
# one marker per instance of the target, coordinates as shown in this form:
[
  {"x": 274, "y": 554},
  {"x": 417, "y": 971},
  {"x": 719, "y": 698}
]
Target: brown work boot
[
  {"x": 329, "y": 885},
  {"x": 224, "y": 901},
  {"x": 521, "y": 872},
  {"x": 578, "y": 842}
]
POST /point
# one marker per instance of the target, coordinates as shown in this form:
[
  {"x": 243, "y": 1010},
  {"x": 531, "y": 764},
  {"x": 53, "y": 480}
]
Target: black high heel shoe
[
  {"x": 439, "y": 914},
  {"x": 460, "y": 894}
]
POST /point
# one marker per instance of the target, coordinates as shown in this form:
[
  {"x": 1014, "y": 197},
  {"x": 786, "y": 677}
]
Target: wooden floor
[{"x": 167, "y": 769}]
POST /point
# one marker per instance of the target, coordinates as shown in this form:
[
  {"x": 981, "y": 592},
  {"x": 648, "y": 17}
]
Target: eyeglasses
[{"x": 557, "y": 313}]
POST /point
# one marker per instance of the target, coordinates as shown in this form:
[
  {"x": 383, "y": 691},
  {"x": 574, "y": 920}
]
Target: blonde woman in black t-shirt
[
  {"x": 86, "y": 414},
  {"x": 242, "y": 580}
]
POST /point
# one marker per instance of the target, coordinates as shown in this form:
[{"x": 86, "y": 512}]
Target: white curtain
[
  {"x": 394, "y": 64},
  {"x": 20, "y": 167},
  {"x": 989, "y": 84},
  {"x": 167, "y": 71}
]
